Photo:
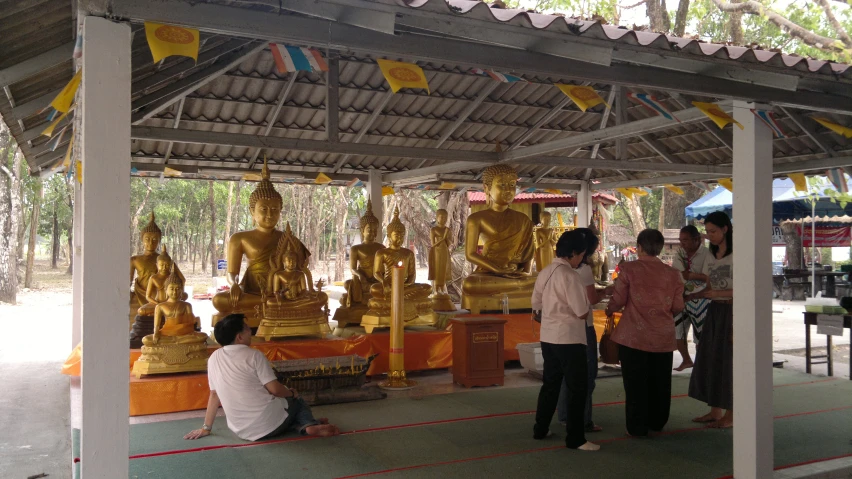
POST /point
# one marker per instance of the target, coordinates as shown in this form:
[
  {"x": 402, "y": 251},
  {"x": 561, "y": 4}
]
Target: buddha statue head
[
  {"x": 545, "y": 219},
  {"x": 174, "y": 286},
  {"x": 265, "y": 202},
  {"x": 441, "y": 217},
  {"x": 164, "y": 262},
  {"x": 500, "y": 182},
  {"x": 151, "y": 235},
  {"x": 369, "y": 224},
  {"x": 291, "y": 261},
  {"x": 396, "y": 230}
]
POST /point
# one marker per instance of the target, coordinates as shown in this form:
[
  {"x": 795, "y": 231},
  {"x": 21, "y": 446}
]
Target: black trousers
[
  {"x": 648, "y": 389},
  {"x": 563, "y": 362}
]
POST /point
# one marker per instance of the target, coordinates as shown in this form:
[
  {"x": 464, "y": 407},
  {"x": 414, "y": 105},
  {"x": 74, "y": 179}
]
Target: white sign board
[
  {"x": 830, "y": 324},
  {"x": 777, "y": 236},
  {"x": 221, "y": 264}
]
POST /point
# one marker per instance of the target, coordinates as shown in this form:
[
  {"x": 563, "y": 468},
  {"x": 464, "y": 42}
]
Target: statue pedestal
[
  {"x": 171, "y": 358},
  {"x": 442, "y": 302},
  {"x": 142, "y": 326},
  {"x": 252, "y": 317},
  {"x": 350, "y": 316},
  {"x": 415, "y": 314},
  {"x": 494, "y": 303},
  {"x": 282, "y": 328}
]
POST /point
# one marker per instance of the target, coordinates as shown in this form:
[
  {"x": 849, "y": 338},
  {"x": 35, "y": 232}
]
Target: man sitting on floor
[{"x": 256, "y": 405}]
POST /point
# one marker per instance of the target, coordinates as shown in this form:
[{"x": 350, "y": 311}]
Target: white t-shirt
[
  {"x": 562, "y": 300},
  {"x": 237, "y": 373},
  {"x": 720, "y": 272},
  {"x": 696, "y": 265},
  {"x": 586, "y": 277}
]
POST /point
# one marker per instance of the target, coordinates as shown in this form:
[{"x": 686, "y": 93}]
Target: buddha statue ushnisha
[
  {"x": 545, "y": 242},
  {"x": 503, "y": 265},
  {"x": 353, "y": 303},
  {"x": 417, "y": 304},
  {"x": 175, "y": 345}
]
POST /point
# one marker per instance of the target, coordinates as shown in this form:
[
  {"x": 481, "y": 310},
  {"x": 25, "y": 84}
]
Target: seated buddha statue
[
  {"x": 145, "y": 265},
  {"x": 353, "y": 303},
  {"x": 545, "y": 243},
  {"x": 503, "y": 265},
  {"x": 156, "y": 291},
  {"x": 258, "y": 247},
  {"x": 175, "y": 345},
  {"x": 417, "y": 305}
]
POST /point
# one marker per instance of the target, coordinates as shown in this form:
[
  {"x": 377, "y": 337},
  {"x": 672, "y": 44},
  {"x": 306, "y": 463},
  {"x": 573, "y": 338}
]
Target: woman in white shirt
[{"x": 561, "y": 297}]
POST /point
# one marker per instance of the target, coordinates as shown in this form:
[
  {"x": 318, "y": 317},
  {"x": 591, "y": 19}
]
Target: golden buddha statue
[
  {"x": 175, "y": 346},
  {"x": 440, "y": 266},
  {"x": 418, "y": 307},
  {"x": 294, "y": 308},
  {"x": 353, "y": 303},
  {"x": 598, "y": 261},
  {"x": 258, "y": 246},
  {"x": 545, "y": 240},
  {"x": 503, "y": 266},
  {"x": 155, "y": 293}
]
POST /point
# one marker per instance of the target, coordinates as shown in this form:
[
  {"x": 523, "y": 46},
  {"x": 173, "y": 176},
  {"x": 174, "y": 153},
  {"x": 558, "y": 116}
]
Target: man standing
[
  {"x": 691, "y": 258},
  {"x": 256, "y": 405}
]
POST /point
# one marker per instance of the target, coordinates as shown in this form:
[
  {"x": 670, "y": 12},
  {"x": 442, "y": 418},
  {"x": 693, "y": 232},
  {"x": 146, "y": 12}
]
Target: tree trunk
[
  {"x": 28, "y": 277},
  {"x": 54, "y": 249},
  {"x": 658, "y": 15},
  {"x": 340, "y": 262},
  {"x": 735, "y": 26},
  {"x": 637, "y": 219},
  {"x": 661, "y": 222},
  {"x": 134, "y": 232},
  {"x": 227, "y": 232},
  {"x": 211, "y": 198},
  {"x": 238, "y": 210},
  {"x": 793, "y": 243},
  {"x": 680, "y": 18},
  {"x": 8, "y": 237}
]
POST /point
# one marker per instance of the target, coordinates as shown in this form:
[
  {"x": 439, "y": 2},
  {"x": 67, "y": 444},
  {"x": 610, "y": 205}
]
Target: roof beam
[
  {"x": 37, "y": 64},
  {"x": 32, "y": 107},
  {"x": 809, "y": 131},
  {"x": 332, "y": 99},
  {"x": 541, "y": 122},
  {"x": 273, "y": 115},
  {"x": 150, "y": 105},
  {"x": 178, "y": 114},
  {"x": 333, "y": 35},
  {"x": 604, "y": 119},
  {"x": 318, "y": 146},
  {"x": 368, "y": 125}
]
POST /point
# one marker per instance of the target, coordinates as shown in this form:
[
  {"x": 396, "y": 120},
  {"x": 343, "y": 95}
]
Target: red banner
[{"x": 828, "y": 236}]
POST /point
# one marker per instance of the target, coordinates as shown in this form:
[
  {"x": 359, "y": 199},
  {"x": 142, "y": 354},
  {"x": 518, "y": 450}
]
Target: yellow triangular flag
[
  {"x": 48, "y": 132},
  {"x": 584, "y": 96},
  {"x": 799, "y": 181},
  {"x": 638, "y": 191},
  {"x": 167, "y": 40},
  {"x": 65, "y": 98},
  {"x": 387, "y": 191},
  {"x": 67, "y": 161},
  {"x": 447, "y": 186},
  {"x": 252, "y": 177},
  {"x": 674, "y": 189},
  {"x": 839, "y": 129},
  {"x": 553, "y": 191},
  {"x": 322, "y": 179},
  {"x": 171, "y": 172},
  {"x": 628, "y": 192},
  {"x": 79, "y": 168},
  {"x": 715, "y": 113},
  {"x": 403, "y": 75},
  {"x": 727, "y": 183}
]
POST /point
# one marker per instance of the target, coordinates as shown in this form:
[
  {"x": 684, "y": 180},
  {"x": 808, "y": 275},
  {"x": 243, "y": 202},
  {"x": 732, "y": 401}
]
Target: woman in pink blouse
[{"x": 651, "y": 293}]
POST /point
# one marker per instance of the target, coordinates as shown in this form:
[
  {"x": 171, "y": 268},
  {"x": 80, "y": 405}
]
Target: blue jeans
[
  {"x": 592, "y": 360},
  {"x": 299, "y": 416}
]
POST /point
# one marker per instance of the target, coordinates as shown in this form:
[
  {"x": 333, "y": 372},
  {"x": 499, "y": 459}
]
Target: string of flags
[
  {"x": 652, "y": 104},
  {"x": 715, "y": 113},
  {"x": 837, "y": 178},
  {"x": 583, "y": 96},
  {"x": 291, "y": 59},
  {"x": 170, "y": 40},
  {"x": 500, "y": 77},
  {"x": 768, "y": 118},
  {"x": 403, "y": 75},
  {"x": 841, "y": 130}
]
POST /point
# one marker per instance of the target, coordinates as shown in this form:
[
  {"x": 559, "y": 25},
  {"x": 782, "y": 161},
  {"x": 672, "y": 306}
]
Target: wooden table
[{"x": 811, "y": 320}]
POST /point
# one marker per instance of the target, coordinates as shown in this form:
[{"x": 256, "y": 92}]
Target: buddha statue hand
[
  {"x": 236, "y": 292},
  {"x": 156, "y": 337}
]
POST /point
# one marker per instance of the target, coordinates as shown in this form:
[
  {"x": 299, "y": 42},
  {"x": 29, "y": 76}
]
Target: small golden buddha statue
[
  {"x": 156, "y": 291},
  {"x": 175, "y": 346},
  {"x": 503, "y": 266},
  {"x": 598, "y": 261},
  {"x": 353, "y": 303},
  {"x": 440, "y": 266},
  {"x": 292, "y": 307},
  {"x": 545, "y": 242},
  {"x": 418, "y": 307}
]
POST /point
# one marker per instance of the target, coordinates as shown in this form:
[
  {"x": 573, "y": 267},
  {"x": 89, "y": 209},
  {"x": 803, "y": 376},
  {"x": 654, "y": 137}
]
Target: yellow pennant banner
[
  {"x": 322, "y": 179},
  {"x": 839, "y": 129},
  {"x": 638, "y": 191},
  {"x": 387, "y": 191},
  {"x": 168, "y": 40},
  {"x": 79, "y": 169},
  {"x": 52, "y": 126},
  {"x": 66, "y": 162},
  {"x": 675, "y": 189},
  {"x": 171, "y": 172},
  {"x": 252, "y": 177},
  {"x": 65, "y": 98},
  {"x": 727, "y": 183},
  {"x": 553, "y": 191},
  {"x": 715, "y": 113},
  {"x": 403, "y": 75},
  {"x": 626, "y": 192},
  {"x": 447, "y": 186},
  {"x": 584, "y": 96},
  {"x": 799, "y": 181}
]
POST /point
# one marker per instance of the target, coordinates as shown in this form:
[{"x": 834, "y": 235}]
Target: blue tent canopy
[{"x": 787, "y": 203}]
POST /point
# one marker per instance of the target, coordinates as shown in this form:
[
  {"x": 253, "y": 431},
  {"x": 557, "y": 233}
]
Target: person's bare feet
[
  {"x": 707, "y": 418},
  {"x": 322, "y": 420},
  {"x": 684, "y": 365},
  {"x": 721, "y": 424},
  {"x": 322, "y": 430},
  {"x": 589, "y": 446}
]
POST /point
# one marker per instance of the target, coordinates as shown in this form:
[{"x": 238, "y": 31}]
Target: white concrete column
[
  {"x": 374, "y": 191},
  {"x": 77, "y": 269},
  {"x": 753, "y": 439},
  {"x": 584, "y": 205},
  {"x": 105, "y": 153}
]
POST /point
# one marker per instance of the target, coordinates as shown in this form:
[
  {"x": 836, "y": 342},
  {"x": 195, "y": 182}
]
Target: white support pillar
[
  {"x": 77, "y": 269},
  {"x": 374, "y": 191},
  {"x": 105, "y": 153},
  {"x": 753, "y": 436},
  {"x": 584, "y": 205}
]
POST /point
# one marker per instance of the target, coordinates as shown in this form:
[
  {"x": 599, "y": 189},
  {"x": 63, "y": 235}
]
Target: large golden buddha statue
[
  {"x": 353, "y": 303},
  {"x": 418, "y": 306},
  {"x": 503, "y": 265},
  {"x": 175, "y": 346},
  {"x": 545, "y": 242},
  {"x": 292, "y": 306}
]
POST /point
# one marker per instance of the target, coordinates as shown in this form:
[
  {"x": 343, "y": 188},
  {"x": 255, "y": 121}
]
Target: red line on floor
[{"x": 419, "y": 424}]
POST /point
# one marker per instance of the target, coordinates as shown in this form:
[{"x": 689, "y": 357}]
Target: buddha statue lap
[
  {"x": 503, "y": 266},
  {"x": 440, "y": 266},
  {"x": 353, "y": 303},
  {"x": 175, "y": 346},
  {"x": 294, "y": 308},
  {"x": 545, "y": 243},
  {"x": 417, "y": 305}
]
